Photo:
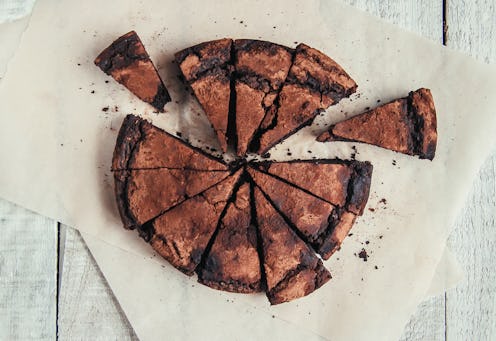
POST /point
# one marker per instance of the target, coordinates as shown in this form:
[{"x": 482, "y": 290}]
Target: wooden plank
[
  {"x": 423, "y": 17},
  {"x": 87, "y": 308},
  {"x": 28, "y": 274},
  {"x": 471, "y": 306}
]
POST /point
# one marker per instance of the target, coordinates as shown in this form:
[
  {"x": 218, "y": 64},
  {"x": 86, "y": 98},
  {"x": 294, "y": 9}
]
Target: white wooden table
[{"x": 50, "y": 286}]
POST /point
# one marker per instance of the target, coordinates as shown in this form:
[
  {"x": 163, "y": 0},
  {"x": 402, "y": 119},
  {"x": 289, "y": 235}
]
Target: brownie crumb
[
  {"x": 367, "y": 242},
  {"x": 105, "y": 109},
  {"x": 376, "y": 267},
  {"x": 92, "y": 91},
  {"x": 78, "y": 64},
  {"x": 367, "y": 108},
  {"x": 288, "y": 154},
  {"x": 378, "y": 101},
  {"x": 371, "y": 209},
  {"x": 383, "y": 201},
  {"x": 266, "y": 155},
  {"x": 178, "y": 133},
  {"x": 349, "y": 235},
  {"x": 363, "y": 255},
  {"x": 380, "y": 237},
  {"x": 393, "y": 163},
  {"x": 106, "y": 81}
]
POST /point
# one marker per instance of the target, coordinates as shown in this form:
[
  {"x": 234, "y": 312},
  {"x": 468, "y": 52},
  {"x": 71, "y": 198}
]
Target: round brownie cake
[{"x": 251, "y": 226}]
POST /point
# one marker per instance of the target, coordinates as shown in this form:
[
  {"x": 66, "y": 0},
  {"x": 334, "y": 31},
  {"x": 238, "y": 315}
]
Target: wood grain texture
[
  {"x": 424, "y": 17},
  {"x": 28, "y": 274},
  {"x": 87, "y": 308},
  {"x": 471, "y": 306}
]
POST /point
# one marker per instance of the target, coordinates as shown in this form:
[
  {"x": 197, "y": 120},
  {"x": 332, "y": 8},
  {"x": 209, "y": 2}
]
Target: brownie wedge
[
  {"x": 292, "y": 269},
  {"x": 314, "y": 83},
  {"x": 141, "y": 145},
  {"x": 261, "y": 67},
  {"x": 145, "y": 193},
  {"x": 181, "y": 234},
  {"x": 233, "y": 263},
  {"x": 344, "y": 184},
  {"x": 207, "y": 68},
  {"x": 407, "y": 125},
  {"x": 127, "y": 61}
]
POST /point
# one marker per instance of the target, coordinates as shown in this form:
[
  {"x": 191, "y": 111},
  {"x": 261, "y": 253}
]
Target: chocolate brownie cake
[
  {"x": 181, "y": 234},
  {"x": 261, "y": 68},
  {"x": 314, "y": 83},
  {"x": 140, "y": 145},
  {"x": 292, "y": 270},
  {"x": 127, "y": 61},
  {"x": 250, "y": 226},
  {"x": 144, "y": 194},
  {"x": 207, "y": 68},
  {"x": 406, "y": 125},
  {"x": 233, "y": 263}
]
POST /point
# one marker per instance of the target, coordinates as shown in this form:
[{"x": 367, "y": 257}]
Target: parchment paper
[
  {"x": 129, "y": 296},
  {"x": 63, "y": 145}
]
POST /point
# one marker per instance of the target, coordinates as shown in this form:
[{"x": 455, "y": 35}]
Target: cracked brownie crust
[{"x": 127, "y": 61}]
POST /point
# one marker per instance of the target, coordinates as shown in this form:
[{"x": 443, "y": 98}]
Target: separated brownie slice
[
  {"x": 233, "y": 262},
  {"x": 144, "y": 194},
  {"x": 314, "y": 83},
  {"x": 292, "y": 270},
  {"x": 181, "y": 234},
  {"x": 127, "y": 61},
  {"x": 140, "y": 145},
  {"x": 406, "y": 125},
  {"x": 341, "y": 183},
  {"x": 261, "y": 68},
  {"x": 207, "y": 68}
]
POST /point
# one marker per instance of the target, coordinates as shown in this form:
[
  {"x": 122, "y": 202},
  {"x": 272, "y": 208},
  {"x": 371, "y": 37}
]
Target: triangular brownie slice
[
  {"x": 144, "y": 194},
  {"x": 261, "y": 68},
  {"x": 341, "y": 183},
  {"x": 292, "y": 270},
  {"x": 181, "y": 234},
  {"x": 312, "y": 217},
  {"x": 127, "y": 61},
  {"x": 406, "y": 125},
  {"x": 233, "y": 263},
  {"x": 141, "y": 145},
  {"x": 314, "y": 83},
  {"x": 207, "y": 68}
]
